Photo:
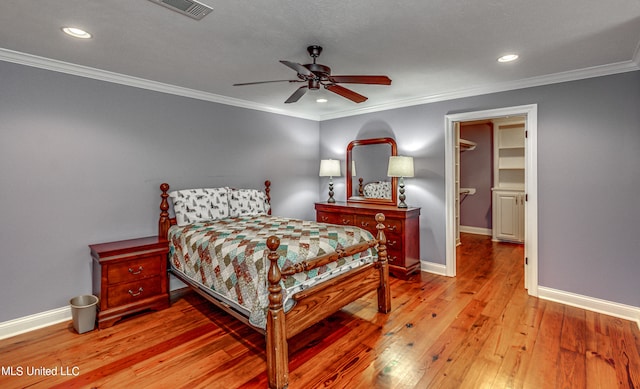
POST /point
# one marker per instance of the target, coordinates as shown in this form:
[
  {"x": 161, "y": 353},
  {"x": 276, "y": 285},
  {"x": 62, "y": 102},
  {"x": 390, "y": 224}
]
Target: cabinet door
[{"x": 508, "y": 221}]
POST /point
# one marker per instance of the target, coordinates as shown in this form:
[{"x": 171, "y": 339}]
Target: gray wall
[
  {"x": 588, "y": 177},
  {"x": 81, "y": 162},
  {"x": 476, "y": 171}
]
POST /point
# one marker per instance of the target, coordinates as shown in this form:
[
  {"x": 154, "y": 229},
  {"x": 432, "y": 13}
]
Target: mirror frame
[{"x": 349, "y": 179}]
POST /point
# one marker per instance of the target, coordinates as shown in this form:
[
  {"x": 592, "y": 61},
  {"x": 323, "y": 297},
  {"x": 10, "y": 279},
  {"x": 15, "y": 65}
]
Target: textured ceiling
[{"x": 430, "y": 49}]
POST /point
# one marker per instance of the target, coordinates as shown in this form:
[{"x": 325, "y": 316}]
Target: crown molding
[
  {"x": 103, "y": 75},
  {"x": 572, "y": 75},
  {"x": 117, "y": 78}
]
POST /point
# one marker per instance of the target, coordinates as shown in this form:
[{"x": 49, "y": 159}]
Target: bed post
[
  {"x": 384, "y": 291},
  {"x": 277, "y": 351},
  {"x": 267, "y": 190},
  {"x": 164, "y": 223}
]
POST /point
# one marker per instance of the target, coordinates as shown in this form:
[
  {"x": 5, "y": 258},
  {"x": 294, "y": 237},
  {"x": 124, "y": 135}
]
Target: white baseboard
[
  {"x": 33, "y": 322},
  {"x": 621, "y": 311},
  {"x": 434, "y": 268},
  {"x": 476, "y": 230}
]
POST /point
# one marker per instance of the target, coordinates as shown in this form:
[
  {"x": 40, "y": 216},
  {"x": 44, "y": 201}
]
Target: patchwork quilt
[{"x": 229, "y": 257}]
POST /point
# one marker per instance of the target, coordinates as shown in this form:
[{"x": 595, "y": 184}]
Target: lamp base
[
  {"x": 402, "y": 197},
  {"x": 331, "y": 199}
]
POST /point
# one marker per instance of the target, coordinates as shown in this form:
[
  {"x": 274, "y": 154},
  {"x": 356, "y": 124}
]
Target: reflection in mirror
[{"x": 367, "y": 162}]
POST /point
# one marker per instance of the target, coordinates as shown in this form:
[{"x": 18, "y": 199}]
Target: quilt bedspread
[{"x": 229, "y": 256}]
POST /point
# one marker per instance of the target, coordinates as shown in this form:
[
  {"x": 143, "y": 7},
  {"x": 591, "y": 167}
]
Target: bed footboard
[{"x": 316, "y": 303}]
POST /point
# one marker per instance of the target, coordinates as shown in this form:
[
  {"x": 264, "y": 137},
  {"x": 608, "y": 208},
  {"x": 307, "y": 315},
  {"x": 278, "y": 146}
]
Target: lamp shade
[
  {"x": 400, "y": 166},
  {"x": 329, "y": 168}
]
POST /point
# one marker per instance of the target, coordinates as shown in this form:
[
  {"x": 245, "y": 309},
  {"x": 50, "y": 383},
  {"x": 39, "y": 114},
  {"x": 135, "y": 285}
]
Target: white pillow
[
  {"x": 247, "y": 202},
  {"x": 199, "y": 205}
]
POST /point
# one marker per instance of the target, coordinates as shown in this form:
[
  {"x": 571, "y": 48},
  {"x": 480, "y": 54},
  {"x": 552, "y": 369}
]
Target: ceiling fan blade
[
  {"x": 297, "y": 95},
  {"x": 265, "y": 82},
  {"x": 378, "y": 80},
  {"x": 298, "y": 68},
  {"x": 346, "y": 93}
]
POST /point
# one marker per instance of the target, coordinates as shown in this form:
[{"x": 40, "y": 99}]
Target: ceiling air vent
[{"x": 191, "y": 8}]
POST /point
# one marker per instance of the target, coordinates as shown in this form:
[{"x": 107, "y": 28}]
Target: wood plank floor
[{"x": 478, "y": 330}]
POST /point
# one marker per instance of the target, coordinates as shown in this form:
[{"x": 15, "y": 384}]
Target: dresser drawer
[
  {"x": 393, "y": 227},
  {"x": 135, "y": 269},
  {"x": 394, "y": 243},
  {"x": 335, "y": 218},
  {"x": 133, "y": 292},
  {"x": 366, "y": 223}
]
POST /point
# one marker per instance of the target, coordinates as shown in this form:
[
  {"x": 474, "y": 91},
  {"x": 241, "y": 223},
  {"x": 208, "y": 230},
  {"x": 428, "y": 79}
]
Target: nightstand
[{"x": 129, "y": 276}]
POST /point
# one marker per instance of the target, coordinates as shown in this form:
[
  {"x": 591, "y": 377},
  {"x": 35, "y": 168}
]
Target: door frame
[{"x": 531, "y": 187}]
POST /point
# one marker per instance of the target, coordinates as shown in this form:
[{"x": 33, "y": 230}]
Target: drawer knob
[
  {"x": 391, "y": 259},
  {"x": 346, "y": 221},
  {"x": 364, "y": 224},
  {"x": 138, "y": 293},
  {"x": 136, "y": 271},
  {"x": 392, "y": 243},
  {"x": 391, "y": 228},
  {"x": 324, "y": 218}
]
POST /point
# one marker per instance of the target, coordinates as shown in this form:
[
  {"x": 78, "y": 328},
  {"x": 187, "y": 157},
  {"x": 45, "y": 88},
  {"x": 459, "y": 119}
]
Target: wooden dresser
[
  {"x": 402, "y": 230},
  {"x": 129, "y": 276}
]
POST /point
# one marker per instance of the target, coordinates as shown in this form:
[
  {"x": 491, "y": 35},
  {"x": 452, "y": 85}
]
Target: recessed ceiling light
[
  {"x": 76, "y": 32},
  {"x": 508, "y": 58},
  {"x": 321, "y": 100}
]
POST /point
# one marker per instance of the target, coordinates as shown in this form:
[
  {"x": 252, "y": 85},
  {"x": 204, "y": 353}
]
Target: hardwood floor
[{"x": 478, "y": 330}]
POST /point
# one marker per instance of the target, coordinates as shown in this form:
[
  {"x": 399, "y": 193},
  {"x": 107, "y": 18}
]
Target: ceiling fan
[{"x": 316, "y": 75}]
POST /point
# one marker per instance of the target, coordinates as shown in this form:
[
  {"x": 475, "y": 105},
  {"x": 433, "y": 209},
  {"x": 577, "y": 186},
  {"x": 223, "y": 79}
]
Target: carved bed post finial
[
  {"x": 267, "y": 190},
  {"x": 164, "y": 223},
  {"x": 384, "y": 292},
  {"x": 277, "y": 348}
]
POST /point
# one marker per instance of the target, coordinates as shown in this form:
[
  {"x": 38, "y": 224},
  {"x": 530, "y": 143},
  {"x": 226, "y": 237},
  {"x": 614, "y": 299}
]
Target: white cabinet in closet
[
  {"x": 508, "y": 215},
  {"x": 509, "y": 172}
]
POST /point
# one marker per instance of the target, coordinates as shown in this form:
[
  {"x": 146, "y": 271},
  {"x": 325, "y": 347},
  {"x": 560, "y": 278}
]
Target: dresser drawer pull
[
  {"x": 364, "y": 224},
  {"x": 392, "y": 243},
  {"x": 324, "y": 219},
  {"x": 136, "y": 294},
  {"x": 391, "y": 228},
  {"x": 391, "y": 259},
  {"x": 136, "y": 271},
  {"x": 346, "y": 222}
]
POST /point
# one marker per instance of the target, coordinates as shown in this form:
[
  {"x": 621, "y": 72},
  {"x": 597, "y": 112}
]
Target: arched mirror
[{"x": 367, "y": 162}]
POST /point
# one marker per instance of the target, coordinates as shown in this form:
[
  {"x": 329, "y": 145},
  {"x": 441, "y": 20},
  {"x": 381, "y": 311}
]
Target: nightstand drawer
[
  {"x": 135, "y": 269},
  {"x": 133, "y": 292}
]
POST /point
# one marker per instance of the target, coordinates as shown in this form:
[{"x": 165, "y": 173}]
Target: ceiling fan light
[
  {"x": 76, "y": 32},
  {"x": 508, "y": 58},
  {"x": 321, "y": 100}
]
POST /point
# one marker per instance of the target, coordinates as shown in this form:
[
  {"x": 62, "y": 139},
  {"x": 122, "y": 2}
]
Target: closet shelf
[{"x": 467, "y": 145}]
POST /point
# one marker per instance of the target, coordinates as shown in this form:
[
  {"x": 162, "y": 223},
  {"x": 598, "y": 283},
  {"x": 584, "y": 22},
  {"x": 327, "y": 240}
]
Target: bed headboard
[{"x": 167, "y": 221}]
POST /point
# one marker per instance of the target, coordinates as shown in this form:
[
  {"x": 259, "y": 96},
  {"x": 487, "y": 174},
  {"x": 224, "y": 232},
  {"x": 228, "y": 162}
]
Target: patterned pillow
[
  {"x": 378, "y": 190},
  {"x": 247, "y": 202},
  {"x": 199, "y": 205}
]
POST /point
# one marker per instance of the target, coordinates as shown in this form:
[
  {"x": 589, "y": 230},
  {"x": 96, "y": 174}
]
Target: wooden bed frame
[{"x": 311, "y": 305}]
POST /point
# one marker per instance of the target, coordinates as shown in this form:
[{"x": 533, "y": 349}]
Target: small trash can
[{"x": 83, "y": 312}]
